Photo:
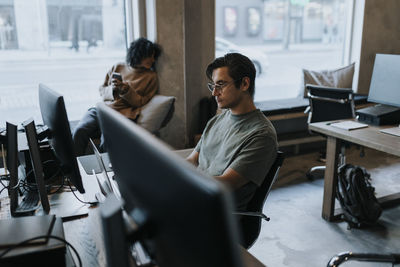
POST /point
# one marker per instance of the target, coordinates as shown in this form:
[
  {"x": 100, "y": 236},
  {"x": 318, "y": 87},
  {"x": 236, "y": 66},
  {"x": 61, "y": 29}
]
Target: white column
[{"x": 32, "y": 24}]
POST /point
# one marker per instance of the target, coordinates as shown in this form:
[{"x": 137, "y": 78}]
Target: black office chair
[
  {"x": 369, "y": 257},
  {"x": 250, "y": 221},
  {"x": 327, "y": 104}
]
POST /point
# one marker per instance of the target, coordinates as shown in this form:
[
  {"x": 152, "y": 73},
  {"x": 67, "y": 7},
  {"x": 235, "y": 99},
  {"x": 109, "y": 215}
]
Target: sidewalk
[
  {"x": 296, "y": 48},
  {"x": 59, "y": 53}
]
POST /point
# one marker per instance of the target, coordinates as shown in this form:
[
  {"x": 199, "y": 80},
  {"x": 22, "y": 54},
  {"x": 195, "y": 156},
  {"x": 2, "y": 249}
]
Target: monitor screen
[
  {"x": 37, "y": 166},
  {"x": 188, "y": 215},
  {"x": 385, "y": 80},
  {"x": 55, "y": 117},
  {"x": 12, "y": 164}
]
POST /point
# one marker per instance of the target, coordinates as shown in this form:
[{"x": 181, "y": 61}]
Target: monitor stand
[{"x": 379, "y": 115}]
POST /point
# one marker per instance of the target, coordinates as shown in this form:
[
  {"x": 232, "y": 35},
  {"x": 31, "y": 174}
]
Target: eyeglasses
[{"x": 219, "y": 87}]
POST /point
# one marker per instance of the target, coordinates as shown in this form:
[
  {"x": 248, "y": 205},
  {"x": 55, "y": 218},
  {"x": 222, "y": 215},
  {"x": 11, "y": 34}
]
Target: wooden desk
[
  {"x": 368, "y": 137},
  {"x": 86, "y": 235}
]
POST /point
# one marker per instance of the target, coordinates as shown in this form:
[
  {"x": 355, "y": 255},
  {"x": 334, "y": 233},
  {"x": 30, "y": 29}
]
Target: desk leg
[{"x": 330, "y": 180}]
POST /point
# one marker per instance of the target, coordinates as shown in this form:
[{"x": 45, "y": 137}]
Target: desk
[
  {"x": 368, "y": 137},
  {"x": 86, "y": 236},
  {"x": 85, "y": 233}
]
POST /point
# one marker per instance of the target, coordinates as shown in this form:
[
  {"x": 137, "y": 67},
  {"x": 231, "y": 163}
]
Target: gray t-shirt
[{"x": 245, "y": 143}]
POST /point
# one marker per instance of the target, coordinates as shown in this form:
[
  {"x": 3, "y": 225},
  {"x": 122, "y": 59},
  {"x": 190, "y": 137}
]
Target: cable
[
  {"x": 1, "y": 181},
  {"x": 59, "y": 188},
  {"x": 14, "y": 187},
  {"x": 1, "y": 191},
  {"x": 56, "y": 174},
  {"x": 40, "y": 237},
  {"x": 84, "y": 202}
]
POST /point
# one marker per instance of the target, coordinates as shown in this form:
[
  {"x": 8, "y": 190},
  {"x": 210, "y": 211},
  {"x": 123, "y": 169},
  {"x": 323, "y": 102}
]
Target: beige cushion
[
  {"x": 154, "y": 113},
  {"x": 339, "y": 78}
]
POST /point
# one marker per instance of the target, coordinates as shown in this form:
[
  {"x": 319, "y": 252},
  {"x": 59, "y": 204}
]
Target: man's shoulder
[
  {"x": 261, "y": 125},
  {"x": 219, "y": 116},
  {"x": 259, "y": 120}
]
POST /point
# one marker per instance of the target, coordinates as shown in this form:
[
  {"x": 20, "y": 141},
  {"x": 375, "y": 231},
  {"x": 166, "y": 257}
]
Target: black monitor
[
  {"x": 55, "y": 117},
  {"x": 385, "y": 80},
  {"x": 37, "y": 166},
  {"x": 187, "y": 216},
  {"x": 12, "y": 163}
]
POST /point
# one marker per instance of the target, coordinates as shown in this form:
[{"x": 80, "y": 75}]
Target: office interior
[{"x": 296, "y": 235}]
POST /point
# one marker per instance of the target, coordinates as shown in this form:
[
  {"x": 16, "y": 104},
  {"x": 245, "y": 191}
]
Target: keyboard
[{"x": 29, "y": 203}]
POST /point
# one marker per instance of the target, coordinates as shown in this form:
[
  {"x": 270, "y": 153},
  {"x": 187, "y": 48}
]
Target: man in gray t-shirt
[{"x": 238, "y": 146}]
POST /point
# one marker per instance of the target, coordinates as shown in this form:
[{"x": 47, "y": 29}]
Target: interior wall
[
  {"x": 170, "y": 66},
  {"x": 380, "y": 34},
  {"x": 200, "y": 51},
  {"x": 186, "y": 32}
]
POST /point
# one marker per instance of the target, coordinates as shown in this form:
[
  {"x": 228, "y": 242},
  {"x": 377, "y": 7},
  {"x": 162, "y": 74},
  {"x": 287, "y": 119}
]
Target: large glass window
[
  {"x": 282, "y": 37},
  {"x": 68, "y": 45}
]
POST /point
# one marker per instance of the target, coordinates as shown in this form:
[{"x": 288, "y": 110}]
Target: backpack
[{"x": 357, "y": 197}]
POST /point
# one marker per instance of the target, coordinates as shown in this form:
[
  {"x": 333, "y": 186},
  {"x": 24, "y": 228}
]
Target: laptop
[
  {"x": 89, "y": 163},
  {"x": 106, "y": 184}
]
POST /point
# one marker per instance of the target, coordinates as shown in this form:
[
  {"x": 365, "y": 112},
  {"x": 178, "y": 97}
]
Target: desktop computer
[
  {"x": 379, "y": 115},
  {"x": 184, "y": 218},
  {"x": 385, "y": 91},
  {"x": 54, "y": 116}
]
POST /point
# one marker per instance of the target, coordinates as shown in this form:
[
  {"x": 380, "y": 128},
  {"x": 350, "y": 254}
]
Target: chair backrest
[
  {"x": 329, "y": 103},
  {"x": 250, "y": 225}
]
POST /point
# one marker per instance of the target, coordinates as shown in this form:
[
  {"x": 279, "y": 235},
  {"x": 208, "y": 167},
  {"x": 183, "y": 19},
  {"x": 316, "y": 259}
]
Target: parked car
[{"x": 259, "y": 58}]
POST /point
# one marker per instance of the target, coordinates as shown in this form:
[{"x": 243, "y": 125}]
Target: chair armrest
[{"x": 253, "y": 214}]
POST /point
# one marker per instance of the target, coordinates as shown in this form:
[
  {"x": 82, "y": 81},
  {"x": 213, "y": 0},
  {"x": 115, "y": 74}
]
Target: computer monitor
[
  {"x": 55, "y": 117},
  {"x": 385, "y": 80},
  {"x": 37, "y": 166},
  {"x": 12, "y": 163},
  {"x": 187, "y": 215}
]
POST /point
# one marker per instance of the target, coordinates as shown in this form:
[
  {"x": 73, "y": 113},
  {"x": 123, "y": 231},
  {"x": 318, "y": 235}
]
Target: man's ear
[{"x": 244, "y": 86}]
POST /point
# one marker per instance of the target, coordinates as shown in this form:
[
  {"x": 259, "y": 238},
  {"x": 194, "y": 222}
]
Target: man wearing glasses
[{"x": 238, "y": 146}]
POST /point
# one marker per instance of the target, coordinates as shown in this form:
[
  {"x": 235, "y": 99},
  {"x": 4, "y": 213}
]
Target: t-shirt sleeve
[
  {"x": 255, "y": 158},
  {"x": 197, "y": 148}
]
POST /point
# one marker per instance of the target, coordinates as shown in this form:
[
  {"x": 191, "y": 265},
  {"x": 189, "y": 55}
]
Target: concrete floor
[{"x": 297, "y": 236}]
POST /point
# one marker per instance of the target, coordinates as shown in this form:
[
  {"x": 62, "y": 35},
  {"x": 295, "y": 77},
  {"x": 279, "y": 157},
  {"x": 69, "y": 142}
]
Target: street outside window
[
  {"x": 68, "y": 45},
  {"x": 282, "y": 37}
]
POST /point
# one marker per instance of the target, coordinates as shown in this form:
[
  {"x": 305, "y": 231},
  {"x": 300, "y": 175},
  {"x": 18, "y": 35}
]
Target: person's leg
[{"x": 87, "y": 127}]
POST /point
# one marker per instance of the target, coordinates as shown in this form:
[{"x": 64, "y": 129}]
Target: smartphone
[{"x": 117, "y": 76}]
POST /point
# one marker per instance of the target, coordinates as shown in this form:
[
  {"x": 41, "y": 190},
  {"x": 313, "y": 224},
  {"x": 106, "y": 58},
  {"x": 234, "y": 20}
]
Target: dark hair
[
  {"x": 239, "y": 66},
  {"x": 140, "y": 49}
]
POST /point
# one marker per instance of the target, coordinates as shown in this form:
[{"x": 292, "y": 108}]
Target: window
[
  {"x": 68, "y": 45},
  {"x": 282, "y": 37}
]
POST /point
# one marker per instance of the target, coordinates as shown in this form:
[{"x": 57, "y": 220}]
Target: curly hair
[
  {"x": 239, "y": 66},
  {"x": 140, "y": 49}
]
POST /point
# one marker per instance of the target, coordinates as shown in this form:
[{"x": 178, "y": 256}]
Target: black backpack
[{"x": 357, "y": 197}]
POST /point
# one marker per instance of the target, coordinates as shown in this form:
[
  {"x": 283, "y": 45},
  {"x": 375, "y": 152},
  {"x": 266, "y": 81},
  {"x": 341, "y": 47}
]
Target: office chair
[
  {"x": 250, "y": 221},
  {"x": 369, "y": 257},
  {"x": 327, "y": 104}
]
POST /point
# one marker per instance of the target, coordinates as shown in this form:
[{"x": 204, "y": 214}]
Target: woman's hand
[{"x": 119, "y": 86}]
